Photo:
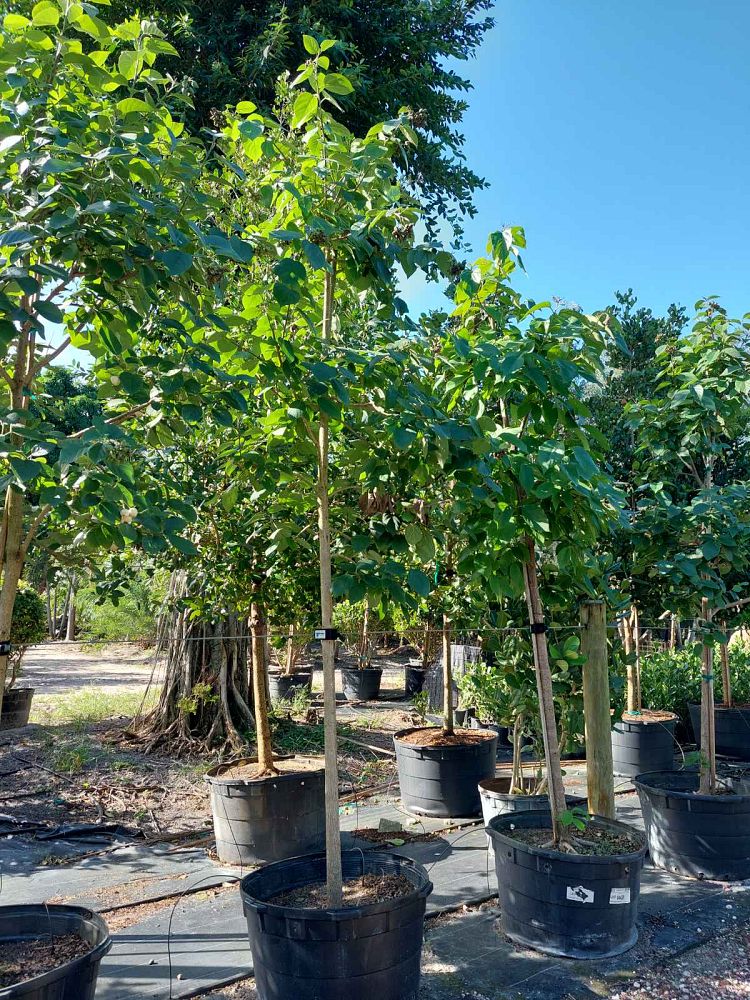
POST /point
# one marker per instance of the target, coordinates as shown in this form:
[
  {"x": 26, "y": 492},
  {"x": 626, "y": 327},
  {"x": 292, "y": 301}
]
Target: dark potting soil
[
  {"x": 22, "y": 960},
  {"x": 252, "y": 772},
  {"x": 437, "y": 738},
  {"x": 594, "y": 841},
  {"x": 357, "y": 892}
]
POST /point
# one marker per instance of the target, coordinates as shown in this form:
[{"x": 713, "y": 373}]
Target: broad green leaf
[
  {"x": 337, "y": 83},
  {"x": 45, "y": 13},
  {"x": 305, "y": 107},
  {"x": 311, "y": 44},
  {"x": 129, "y": 105},
  {"x": 419, "y": 582},
  {"x": 177, "y": 262},
  {"x": 129, "y": 64}
]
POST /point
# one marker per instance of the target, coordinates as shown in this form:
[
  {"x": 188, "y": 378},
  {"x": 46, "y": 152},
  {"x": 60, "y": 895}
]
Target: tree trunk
[
  {"x": 447, "y": 678},
  {"x": 50, "y": 634},
  {"x": 12, "y": 557},
  {"x": 627, "y": 639},
  {"x": 70, "y": 631},
  {"x": 289, "y": 665},
  {"x": 205, "y": 696},
  {"x": 637, "y": 644},
  {"x": 334, "y": 879},
  {"x": 262, "y": 726},
  {"x": 516, "y": 778},
  {"x": 556, "y": 789},
  {"x": 596, "y": 702},
  {"x": 708, "y": 737}
]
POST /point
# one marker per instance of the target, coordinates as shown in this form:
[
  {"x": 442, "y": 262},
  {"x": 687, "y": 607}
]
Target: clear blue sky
[{"x": 618, "y": 135}]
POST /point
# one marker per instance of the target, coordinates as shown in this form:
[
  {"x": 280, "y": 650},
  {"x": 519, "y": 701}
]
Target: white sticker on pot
[
  {"x": 619, "y": 896},
  {"x": 580, "y": 894}
]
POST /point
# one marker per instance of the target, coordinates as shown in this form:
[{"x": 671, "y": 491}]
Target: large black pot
[
  {"x": 336, "y": 954},
  {"x": 497, "y": 800},
  {"x": 16, "y": 708},
  {"x": 705, "y": 836},
  {"x": 361, "y": 685},
  {"x": 573, "y": 905},
  {"x": 443, "y": 781},
  {"x": 282, "y": 687},
  {"x": 732, "y": 730},
  {"x": 413, "y": 680},
  {"x": 267, "y": 819},
  {"x": 642, "y": 746},
  {"x": 75, "y": 980}
]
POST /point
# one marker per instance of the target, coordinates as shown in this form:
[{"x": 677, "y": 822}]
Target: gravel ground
[{"x": 717, "y": 970}]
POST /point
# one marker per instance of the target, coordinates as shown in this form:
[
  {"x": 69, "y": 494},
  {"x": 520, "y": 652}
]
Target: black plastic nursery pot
[
  {"x": 497, "y": 799},
  {"x": 444, "y": 780},
  {"x": 16, "y": 708},
  {"x": 704, "y": 836},
  {"x": 413, "y": 680},
  {"x": 267, "y": 819},
  {"x": 732, "y": 729},
  {"x": 75, "y": 980},
  {"x": 335, "y": 954},
  {"x": 574, "y": 905},
  {"x": 361, "y": 685},
  {"x": 283, "y": 686},
  {"x": 639, "y": 746}
]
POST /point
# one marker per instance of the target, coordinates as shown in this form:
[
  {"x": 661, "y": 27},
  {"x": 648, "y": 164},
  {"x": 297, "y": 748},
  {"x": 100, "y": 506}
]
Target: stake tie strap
[
  {"x": 707, "y": 678},
  {"x": 538, "y": 628},
  {"x": 6, "y": 648}
]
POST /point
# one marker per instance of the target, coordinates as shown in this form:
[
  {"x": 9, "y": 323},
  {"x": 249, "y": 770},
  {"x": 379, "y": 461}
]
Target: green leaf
[
  {"x": 337, "y": 83},
  {"x": 403, "y": 437},
  {"x": 191, "y": 412},
  {"x": 419, "y": 582},
  {"x": 310, "y": 44},
  {"x": 131, "y": 105},
  {"x": 14, "y": 237},
  {"x": 15, "y": 22},
  {"x": 129, "y": 64},
  {"x": 45, "y": 13},
  {"x": 305, "y": 107},
  {"x": 314, "y": 254},
  {"x": 92, "y": 26},
  {"x": 49, "y": 311},
  {"x": 25, "y": 469},
  {"x": 9, "y": 142},
  {"x": 177, "y": 262},
  {"x": 183, "y": 545}
]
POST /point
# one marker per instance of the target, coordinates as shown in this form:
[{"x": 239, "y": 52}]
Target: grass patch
[{"x": 88, "y": 705}]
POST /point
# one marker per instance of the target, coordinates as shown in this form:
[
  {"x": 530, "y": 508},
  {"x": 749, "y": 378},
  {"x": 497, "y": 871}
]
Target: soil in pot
[
  {"x": 368, "y": 947},
  {"x": 50, "y": 952},
  {"x": 16, "y": 708},
  {"x": 260, "y": 817},
  {"x": 581, "y": 905},
  {"x": 439, "y": 773},
  {"x": 497, "y": 800},
  {"x": 361, "y": 685},
  {"x": 643, "y": 741},
  {"x": 732, "y": 729},
  {"x": 702, "y": 836}
]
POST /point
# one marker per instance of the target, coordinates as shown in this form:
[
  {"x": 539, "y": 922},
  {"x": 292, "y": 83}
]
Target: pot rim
[
  {"x": 340, "y": 913},
  {"x": 361, "y": 670},
  {"x": 640, "y": 780},
  {"x": 95, "y": 953},
  {"x": 510, "y": 796},
  {"x": 212, "y": 778},
  {"x": 636, "y": 720},
  {"x": 451, "y": 746},
  {"x": 546, "y": 852}
]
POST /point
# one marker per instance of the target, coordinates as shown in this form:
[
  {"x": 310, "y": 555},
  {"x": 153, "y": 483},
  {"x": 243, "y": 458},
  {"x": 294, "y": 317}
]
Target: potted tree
[
  {"x": 698, "y": 516},
  {"x": 362, "y": 681},
  {"x": 518, "y": 368},
  {"x": 29, "y": 626}
]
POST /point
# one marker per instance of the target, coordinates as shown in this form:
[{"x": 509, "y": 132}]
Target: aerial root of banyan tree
[{"x": 205, "y": 699}]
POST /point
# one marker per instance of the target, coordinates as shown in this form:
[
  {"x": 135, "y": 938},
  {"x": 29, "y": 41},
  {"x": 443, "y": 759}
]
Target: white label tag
[
  {"x": 619, "y": 896},
  {"x": 580, "y": 894}
]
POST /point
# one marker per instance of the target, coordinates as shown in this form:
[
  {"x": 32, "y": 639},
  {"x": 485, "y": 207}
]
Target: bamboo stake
[
  {"x": 545, "y": 692},
  {"x": 447, "y": 678},
  {"x": 599, "y": 776}
]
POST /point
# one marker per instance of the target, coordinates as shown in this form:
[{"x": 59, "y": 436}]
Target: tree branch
[
  {"x": 48, "y": 359},
  {"x": 40, "y": 516}
]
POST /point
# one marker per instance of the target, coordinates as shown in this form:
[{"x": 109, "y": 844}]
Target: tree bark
[
  {"x": 262, "y": 725},
  {"x": 70, "y": 629},
  {"x": 13, "y": 556},
  {"x": 627, "y": 638},
  {"x": 726, "y": 677},
  {"x": 544, "y": 689},
  {"x": 596, "y": 702}
]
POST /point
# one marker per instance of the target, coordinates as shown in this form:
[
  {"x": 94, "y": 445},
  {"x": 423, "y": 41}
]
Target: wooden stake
[
  {"x": 726, "y": 679},
  {"x": 637, "y": 644},
  {"x": 260, "y": 707},
  {"x": 556, "y": 789},
  {"x": 289, "y": 651},
  {"x": 334, "y": 881},
  {"x": 447, "y": 678},
  {"x": 627, "y": 639},
  {"x": 596, "y": 702}
]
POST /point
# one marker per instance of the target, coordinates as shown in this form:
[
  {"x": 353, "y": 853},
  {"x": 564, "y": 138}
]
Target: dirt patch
[
  {"x": 594, "y": 841},
  {"x": 393, "y": 836},
  {"x": 126, "y": 916},
  {"x": 357, "y": 892},
  {"x": 245, "y": 770},
  {"x": 437, "y": 738},
  {"x": 22, "y": 960},
  {"x": 648, "y": 715}
]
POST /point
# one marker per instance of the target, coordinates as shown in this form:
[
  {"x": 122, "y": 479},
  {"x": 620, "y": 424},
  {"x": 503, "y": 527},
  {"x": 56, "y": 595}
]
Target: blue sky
[{"x": 618, "y": 135}]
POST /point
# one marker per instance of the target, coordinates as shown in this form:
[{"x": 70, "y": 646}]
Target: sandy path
[{"x": 60, "y": 667}]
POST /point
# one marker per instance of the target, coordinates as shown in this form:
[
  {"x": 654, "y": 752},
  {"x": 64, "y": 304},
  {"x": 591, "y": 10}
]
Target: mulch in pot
[
  {"x": 437, "y": 738},
  {"x": 23, "y": 960},
  {"x": 647, "y": 715},
  {"x": 594, "y": 841},
  {"x": 370, "y": 888}
]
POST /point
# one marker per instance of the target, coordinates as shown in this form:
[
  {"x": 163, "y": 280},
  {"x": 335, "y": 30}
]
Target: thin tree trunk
[
  {"x": 334, "y": 879},
  {"x": 545, "y": 692},
  {"x": 426, "y": 648},
  {"x": 12, "y": 568},
  {"x": 70, "y": 631},
  {"x": 627, "y": 638},
  {"x": 49, "y": 612},
  {"x": 637, "y": 644},
  {"x": 673, "y": 632},
  {"x": 262, "y": 725},
  {"x": 516, "y": 778},
  {"x": 708, "y": 740},
  {"x": 447, "y": 678},
  {"x": 289, "y": 665}
]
